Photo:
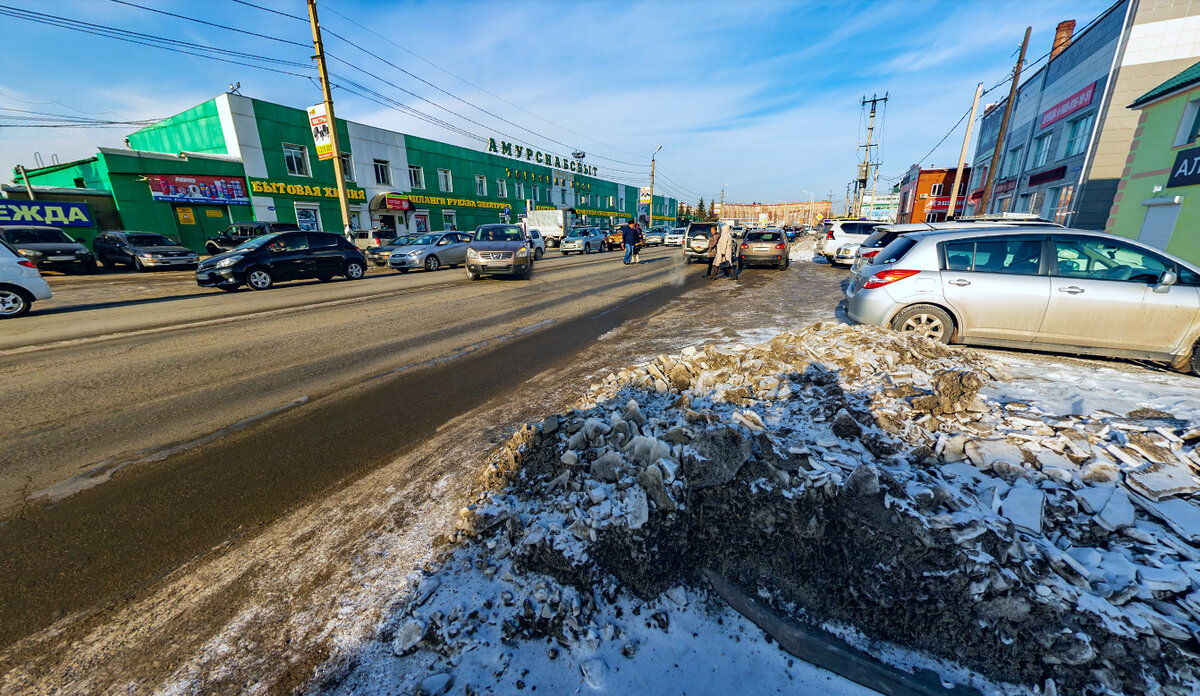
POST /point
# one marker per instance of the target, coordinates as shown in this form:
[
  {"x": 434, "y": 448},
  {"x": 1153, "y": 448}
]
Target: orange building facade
[{"x": 925, "y": 194}]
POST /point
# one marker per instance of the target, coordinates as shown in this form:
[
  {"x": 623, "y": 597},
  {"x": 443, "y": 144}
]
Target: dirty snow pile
[{"x": 850, "y": 478}]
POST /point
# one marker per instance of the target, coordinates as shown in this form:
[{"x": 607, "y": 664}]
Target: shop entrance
[{"x": 196, "y": 223}]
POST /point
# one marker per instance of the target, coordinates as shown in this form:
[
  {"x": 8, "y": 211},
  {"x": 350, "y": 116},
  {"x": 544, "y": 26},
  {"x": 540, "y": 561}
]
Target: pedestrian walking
[
  {"x": 629, "y": 239},
  {"x": 711, "y": 252},
  {"x": 641, "y": 241},
  {"x": 725, "y": 262}
]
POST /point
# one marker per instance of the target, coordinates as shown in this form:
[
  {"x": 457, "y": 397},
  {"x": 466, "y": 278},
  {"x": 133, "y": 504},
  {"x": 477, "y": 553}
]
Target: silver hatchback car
[{"x": 1058, "y": 290}]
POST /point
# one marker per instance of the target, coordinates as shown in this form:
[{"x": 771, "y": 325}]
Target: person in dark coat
[{"x": 629, "y": 238}]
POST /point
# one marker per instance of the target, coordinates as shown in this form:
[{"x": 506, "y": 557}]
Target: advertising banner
[
  {"x": 319, "y": 122},
  {"x": 395, "y": 202},
  {"x": 941, "y": 204},
  {"x": 1068, "y": 106},
  {"x": 45, "y": 213},
  {"x": 645, "y": 197},
  {"x": 215, "y": 190},
  {"x": 1186, "y": 171}
]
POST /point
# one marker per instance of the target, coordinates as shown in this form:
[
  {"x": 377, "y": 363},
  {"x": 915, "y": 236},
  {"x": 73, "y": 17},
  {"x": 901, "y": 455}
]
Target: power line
[{"x": 211, "y": 24}]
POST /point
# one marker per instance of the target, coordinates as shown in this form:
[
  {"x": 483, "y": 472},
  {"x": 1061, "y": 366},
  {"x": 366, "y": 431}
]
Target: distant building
[
  {"x": 882, "y": 206},
  {"x": 775, "y": 214},
  {"x": 1158, "y": 197},
  {"x": 1069, "y": 133},
  {"x": 925, "y": 194}
]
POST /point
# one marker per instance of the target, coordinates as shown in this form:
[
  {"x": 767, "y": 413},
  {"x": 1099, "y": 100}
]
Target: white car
[
  {"x": 675, "y": 237},
  {"x": 583, "y": 240},
  {"x": 839, "y": 239},
  {"x": 20, "y": 283},
  {"x": 538, "y": 242}
]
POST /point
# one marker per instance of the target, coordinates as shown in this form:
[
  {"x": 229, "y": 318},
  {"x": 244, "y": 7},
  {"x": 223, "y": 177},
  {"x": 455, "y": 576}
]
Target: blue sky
[{"x": 763, "y": 96}]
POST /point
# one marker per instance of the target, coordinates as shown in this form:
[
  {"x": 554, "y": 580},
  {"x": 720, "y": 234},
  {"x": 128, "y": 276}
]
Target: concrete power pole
[
  {"x": 338, "y": 172},
  {"x": 650, "y": 215},
  {"x": 962, "y": 156},
  {"x": 864, "y": 169},
  {"x": 1008, "y": 106}
]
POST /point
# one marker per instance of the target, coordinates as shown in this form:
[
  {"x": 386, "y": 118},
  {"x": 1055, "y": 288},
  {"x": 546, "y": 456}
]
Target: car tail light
[
  {"x": 745, "y": 246},
  {"x": 779, "y": 245},
  {"x": 26, "y": 263},
  {"x": 883, "y": 278},
  {"x": 829, "y": 234},
  {"x": 871, "y": 254}
]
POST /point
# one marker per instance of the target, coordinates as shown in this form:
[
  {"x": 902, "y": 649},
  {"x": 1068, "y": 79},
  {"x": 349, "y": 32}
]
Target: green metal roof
[{"x": 1186, "y": 78}]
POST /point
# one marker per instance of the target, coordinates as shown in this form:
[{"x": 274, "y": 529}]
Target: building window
[
  {"x": 1002, "y": 205},
  {"x": 932, "y": 217},
  {"x": 480, "y": 185},
  {"x": 416, "y": 177},
  {"x": 308, "y": 217},
  {"x": 1060, "y": 203},
  {"x": 347, "y": 167},
  {"x": 962, "y": 189},
  {"x": 296, "y": 159},
  {"x": 449, "y": 220},
  {"x": 445, "y": 181},
  {"x": 1078, "y": 132},
  {"x": 1189, "y": 125},
  {"x": 1035, "y": 202},
  {"x": 562, "y": 193},
  {"x": 520, "y": 190},
  {"x": 1013, "y": 164},
  {"x": 1041, "y": 150},
  {"x": 501, "y": 188},
  {"x": 383, "y": 173},
  {"x": 534, "y": 189},
  {"x": 935, "y": 190}
]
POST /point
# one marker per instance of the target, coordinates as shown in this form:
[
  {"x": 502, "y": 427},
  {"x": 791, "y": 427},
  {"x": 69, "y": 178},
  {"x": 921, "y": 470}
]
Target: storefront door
[{"x": 196, "y": 223}]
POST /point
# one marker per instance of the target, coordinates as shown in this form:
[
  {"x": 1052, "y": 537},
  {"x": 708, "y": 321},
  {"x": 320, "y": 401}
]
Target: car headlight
[
  {"x": 472, "y": 254},
  {"x": 414, "y": 254},
  {"x": 148, "y": 255},
  {"x": 30, "y": 253},
  {"x": 522, "y": 252},
  {"x": 227, "y": 262}
]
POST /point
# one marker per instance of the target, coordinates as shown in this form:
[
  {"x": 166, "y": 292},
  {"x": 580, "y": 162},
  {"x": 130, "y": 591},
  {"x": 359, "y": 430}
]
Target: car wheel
[
  {"x": 587, "y": 249},
  {"x": 13, "y": 303},
  {"x": 354, "y": 270},
  {"x": 537, "y": 254},
  {"x": 1194, "y": 363},
  {"x": 138, "y": 266},
  {"x": 259, "y": 279},
  {"x": 432, "y": 263},
  {"x": 925, "y": 320},
  {"x": 472, "y": 275}
]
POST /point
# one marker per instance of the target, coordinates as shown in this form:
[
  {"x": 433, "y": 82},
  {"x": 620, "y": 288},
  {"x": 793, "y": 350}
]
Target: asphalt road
[{"x": 146, "y": 422}]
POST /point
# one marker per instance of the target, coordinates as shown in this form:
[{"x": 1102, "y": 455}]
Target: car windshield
[
  {"x": 424, "y": 240},
  {"x": 702, "y": 230},
  {"x": 150, "y": 240},
  {"x": 579, "y": 233},
  {"x": 499, "y": 233},
  {"x": 764, "y": 237},
  {"x": 255, "y": 243},
  {"x": 400, "y": 241},
  {"x": 35, "y": 235}
]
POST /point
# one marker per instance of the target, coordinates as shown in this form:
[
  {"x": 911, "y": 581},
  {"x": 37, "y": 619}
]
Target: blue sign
[{"x": 58, "y": 214}]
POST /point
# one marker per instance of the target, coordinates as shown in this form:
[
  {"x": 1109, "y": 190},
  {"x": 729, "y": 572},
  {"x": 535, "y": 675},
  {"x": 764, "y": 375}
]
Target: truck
[{"x": 553, "y": 224}]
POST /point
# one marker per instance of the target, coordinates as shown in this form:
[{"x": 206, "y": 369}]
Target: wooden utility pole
[
  {"x": 1008, "y": 107},
  {"x": 962, "y": 156},
  {"x": 338, "y": 172},
  {"x": 28, "y": 188}
]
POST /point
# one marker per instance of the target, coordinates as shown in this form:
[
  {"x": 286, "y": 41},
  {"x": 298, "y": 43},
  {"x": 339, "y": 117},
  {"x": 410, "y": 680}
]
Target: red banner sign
[
  {"x": 216, "y": 190},
  {"x": 397, "y": 203},
  {"x": 1068, "y": 106},
  {"x": 940, "y": 204}
]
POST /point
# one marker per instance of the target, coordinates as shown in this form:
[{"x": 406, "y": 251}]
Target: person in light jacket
[{"x": 725, "y": 252}]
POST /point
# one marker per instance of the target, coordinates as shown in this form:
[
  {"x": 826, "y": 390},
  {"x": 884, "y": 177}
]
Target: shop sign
[
  {"x": 45, "y": 213},
  {"x": 1186, "y": 171},
  {"x": 1004, "y": 186},
  {"x": 940, "y": 204},
  {"x": 646, "y": 195},
  {"x": 599, "y": 213},
  {"x": 276, "y": 187},
  {"x": 187, "y": 216},
  {"x": 215, "y": 190},
  {"x": 213, "y": 212},
  {"x": 545, "y": 158},
  {"x": 1048, "y": 175},
  {"x": 394, "y": 202},
  {"x": 1068, "y": 106},
  {"x": 318, "y": 120},
  {"x": 456, "y": 202}
]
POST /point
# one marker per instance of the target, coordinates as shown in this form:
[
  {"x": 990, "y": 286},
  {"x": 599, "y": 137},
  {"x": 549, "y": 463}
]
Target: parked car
[
  {"x": 766, "y": 247},
  {"x": 657, "y": 236},
  {"x": 537, "y": 242},
  {"x": 695, "y": 240},
  {"x": 379, "y": 255},
  {"x": 20, "y": 283},
  {"x": 843, "y": 237},
  {"x": 142, "y": 250},
  {"x": 613, "y": 240},
  {"x": 365, "y": 239},
  {"x": 885, "y": 234},
  {"x": 240, "y": 232},
  {"x": 674, "y": 237},
  {"x": 49, "y": 248},
  {"x": 431, "y": 252},
  {"x": 583, "y": 240},
  {"x": 268, "y": 259},
  {"x": 500, "y": 250},
  {"x": 1039, "y": 288}
]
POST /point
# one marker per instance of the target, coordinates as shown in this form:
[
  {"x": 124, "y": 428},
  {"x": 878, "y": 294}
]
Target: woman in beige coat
[{"x": 725, "y": 252}]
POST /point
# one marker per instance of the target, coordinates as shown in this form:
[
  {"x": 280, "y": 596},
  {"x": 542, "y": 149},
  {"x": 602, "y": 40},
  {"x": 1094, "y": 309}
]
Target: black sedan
[
  {"x": 142, "y": 250},
  {"x": 49, "y": 248},
  {"x": 266, "y": 260}
]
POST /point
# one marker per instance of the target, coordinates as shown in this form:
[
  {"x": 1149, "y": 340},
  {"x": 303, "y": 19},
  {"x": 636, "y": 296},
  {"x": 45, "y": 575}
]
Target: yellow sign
[
  {"x": 455, "y": 202},
  {"x": 645, "y": 197},
  {"x": 214, "y": 213},
  {"x": 318, "y": 119},
  {"x": 187, "y": 216},
  {"x": 263, "y": 186}
]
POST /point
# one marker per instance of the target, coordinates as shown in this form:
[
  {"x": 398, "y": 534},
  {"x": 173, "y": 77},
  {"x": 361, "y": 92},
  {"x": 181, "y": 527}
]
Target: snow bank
[{"x": 851, "y": 478}]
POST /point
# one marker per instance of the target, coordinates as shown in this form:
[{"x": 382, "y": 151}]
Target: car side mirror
[{"x": 1166, "y": 281}]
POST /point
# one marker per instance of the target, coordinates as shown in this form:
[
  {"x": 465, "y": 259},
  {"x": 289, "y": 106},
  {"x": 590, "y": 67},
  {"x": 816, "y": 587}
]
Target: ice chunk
[
  {"x": 1117, "y": 512},
  {"x": 1158, "y": 481},
  {"x": 986, "y": 453},
  {"x": 1023, "y": 505},
  {"x": 1179, "y": 514}
]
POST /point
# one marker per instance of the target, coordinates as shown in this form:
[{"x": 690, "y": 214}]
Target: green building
[
  {"x": 1158, "y": 197},
  {"x": 234, "y": 158}
]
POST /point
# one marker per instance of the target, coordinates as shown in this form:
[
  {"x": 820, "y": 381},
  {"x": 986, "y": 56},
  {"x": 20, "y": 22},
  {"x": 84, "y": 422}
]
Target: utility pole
[
  {"x": 338, "y": 172},
  {"x": 722, "y": 203},
  {"x": 962, "y": 156},
  {"x": 650, "y": 217},
  {"x": 864, "y": 169},
  {"x": 28, "y": 188},
  {"x": 1008, "y": 107}
]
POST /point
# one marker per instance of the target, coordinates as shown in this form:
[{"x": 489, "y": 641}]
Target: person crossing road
[{"x": 629, "y": 239}]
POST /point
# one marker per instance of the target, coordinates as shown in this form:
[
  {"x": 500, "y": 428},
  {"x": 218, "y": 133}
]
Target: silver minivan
[{"x": 1058, "y": 290}]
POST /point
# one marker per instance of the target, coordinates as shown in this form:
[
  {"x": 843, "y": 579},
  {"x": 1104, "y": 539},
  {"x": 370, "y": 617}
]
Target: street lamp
[{"x": 650, "y": 214}]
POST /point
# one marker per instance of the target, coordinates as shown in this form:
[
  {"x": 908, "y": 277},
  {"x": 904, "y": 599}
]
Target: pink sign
[
  {"x": 938, "y": 204},
  {"x": 1068, "y": 106}
]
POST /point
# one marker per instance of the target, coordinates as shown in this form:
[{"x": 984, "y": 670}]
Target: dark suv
[
  {"x": 265, "y": 260},
  {"x": 240, "y": 232}
]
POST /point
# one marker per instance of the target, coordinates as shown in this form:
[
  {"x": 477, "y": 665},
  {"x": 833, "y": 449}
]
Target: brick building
[{"x": 925, "y": 194}]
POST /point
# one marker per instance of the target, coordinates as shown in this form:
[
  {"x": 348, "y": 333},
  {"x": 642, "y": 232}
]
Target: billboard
[
  {"x": 318, "y": 120},
  {"x": 645, "y": 197},
  {"x": 215, "y": 190},
  {"x": 1068, "y": 106},
  {"x": 45, "y": 213}
]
